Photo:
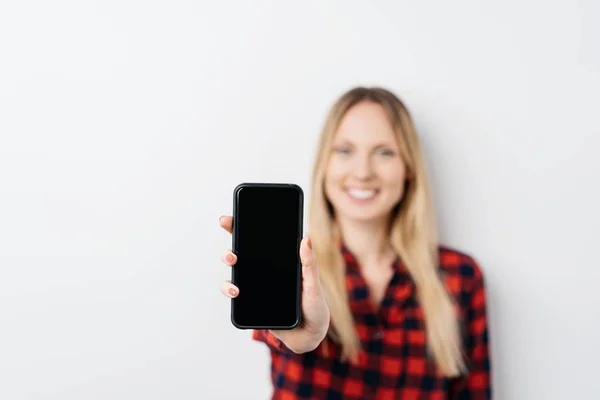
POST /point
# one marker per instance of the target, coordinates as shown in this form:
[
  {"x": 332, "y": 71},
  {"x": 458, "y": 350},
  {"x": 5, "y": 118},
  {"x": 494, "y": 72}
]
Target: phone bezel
[{"x": 234, "y": 238}]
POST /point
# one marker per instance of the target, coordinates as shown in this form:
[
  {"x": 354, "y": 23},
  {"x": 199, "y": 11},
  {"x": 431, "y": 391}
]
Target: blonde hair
[{"x": 412, "y": 235}]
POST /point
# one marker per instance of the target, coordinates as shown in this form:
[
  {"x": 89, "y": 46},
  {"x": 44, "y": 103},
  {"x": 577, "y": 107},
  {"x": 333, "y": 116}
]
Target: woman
[{"x": 388, "y": 312}]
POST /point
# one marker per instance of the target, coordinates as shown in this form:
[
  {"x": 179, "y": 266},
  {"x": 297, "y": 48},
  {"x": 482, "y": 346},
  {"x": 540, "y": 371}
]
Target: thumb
[{"x": 310, "y": 272}]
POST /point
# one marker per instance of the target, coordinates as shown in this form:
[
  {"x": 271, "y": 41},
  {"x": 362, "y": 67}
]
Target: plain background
[{"x": 125, "y": 125}]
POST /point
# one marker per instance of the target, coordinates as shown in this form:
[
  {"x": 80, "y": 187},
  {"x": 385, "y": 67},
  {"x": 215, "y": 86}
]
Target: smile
[{"x": 361, "y": 194}]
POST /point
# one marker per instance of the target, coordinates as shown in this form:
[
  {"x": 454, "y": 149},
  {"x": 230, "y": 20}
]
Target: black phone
[{"x": 267, "y": 231}]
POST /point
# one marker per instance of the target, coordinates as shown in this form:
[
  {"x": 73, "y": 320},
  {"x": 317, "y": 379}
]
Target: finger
[
  {"x": 307, "y": 256},
  {"x": 229, "y": 289},
  {"x": 226, "y": 222},
  {"x": 310, "y": 273},
  {"x": 228, "y": 257}
]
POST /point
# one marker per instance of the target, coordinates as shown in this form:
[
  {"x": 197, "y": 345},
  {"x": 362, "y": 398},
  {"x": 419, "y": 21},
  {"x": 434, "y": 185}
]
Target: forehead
[{"x": 366, "y": 123}]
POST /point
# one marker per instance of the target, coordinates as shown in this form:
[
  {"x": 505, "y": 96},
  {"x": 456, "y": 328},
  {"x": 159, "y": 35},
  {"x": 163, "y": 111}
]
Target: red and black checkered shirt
[{"x": 393, "y": 363}]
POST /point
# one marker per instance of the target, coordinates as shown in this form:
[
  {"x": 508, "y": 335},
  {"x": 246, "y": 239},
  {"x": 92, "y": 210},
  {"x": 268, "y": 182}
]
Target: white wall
[{"x": 126, "y": 124}]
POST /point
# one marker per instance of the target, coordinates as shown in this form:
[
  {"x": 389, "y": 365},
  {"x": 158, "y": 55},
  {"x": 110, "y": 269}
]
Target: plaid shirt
[{"x": 393, "y": 363}]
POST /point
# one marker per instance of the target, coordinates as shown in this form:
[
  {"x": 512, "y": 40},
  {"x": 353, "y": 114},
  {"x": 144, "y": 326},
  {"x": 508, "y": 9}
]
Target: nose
[{"x": 363, "y": 169}]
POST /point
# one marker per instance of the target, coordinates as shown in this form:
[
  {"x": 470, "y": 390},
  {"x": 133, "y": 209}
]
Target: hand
[{"x": 315, "y": 312}]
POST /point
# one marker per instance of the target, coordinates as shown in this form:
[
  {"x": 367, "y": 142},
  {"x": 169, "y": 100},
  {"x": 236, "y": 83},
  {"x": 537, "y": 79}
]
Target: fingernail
[
  {"x": 229, "y": 258},
  {"x": 233, "y": 292},
  {"x": 309, "y": 243}
]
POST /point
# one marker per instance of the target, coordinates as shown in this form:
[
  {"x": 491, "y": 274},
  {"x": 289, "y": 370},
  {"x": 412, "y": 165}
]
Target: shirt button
[{"x": 378, "y": 335}]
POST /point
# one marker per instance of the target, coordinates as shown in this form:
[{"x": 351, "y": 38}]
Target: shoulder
[{"x": 461, "y": 270}]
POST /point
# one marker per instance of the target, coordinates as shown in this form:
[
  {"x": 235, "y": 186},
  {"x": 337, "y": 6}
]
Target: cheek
[
  {"x": 335, "y": 173},
  {"x": 394, "y": 178},
  {"x": 333, "y": 182}
]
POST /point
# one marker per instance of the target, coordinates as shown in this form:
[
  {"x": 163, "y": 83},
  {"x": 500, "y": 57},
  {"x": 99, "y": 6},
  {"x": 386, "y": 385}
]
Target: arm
[{"x": 477, "y": 383}]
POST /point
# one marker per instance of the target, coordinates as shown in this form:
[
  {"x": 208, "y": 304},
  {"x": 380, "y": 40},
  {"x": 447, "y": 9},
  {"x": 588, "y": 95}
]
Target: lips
[{"x": 361, "y": 194}]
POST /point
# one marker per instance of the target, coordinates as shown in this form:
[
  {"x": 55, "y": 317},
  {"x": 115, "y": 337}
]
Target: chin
[
  {"x": 364, "y": 216},
  {"x": 363, "y": 213}
]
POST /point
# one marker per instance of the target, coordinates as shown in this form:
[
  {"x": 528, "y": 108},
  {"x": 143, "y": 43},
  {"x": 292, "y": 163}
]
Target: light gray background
[{"x": 125, "y": 126}]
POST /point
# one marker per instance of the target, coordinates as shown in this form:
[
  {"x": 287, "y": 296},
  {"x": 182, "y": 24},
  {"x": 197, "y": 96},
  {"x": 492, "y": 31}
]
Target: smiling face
[{"x": 365, "y": 175}]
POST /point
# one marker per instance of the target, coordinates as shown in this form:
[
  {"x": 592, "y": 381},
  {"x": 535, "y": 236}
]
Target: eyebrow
[{"x": 348, "y": 142}]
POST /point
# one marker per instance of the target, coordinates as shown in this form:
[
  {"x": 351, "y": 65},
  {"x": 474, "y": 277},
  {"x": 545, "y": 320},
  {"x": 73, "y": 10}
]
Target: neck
[{"x": 367, "y": 241}]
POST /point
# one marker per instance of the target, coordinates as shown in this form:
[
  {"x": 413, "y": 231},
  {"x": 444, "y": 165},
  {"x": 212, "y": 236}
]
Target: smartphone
[{"x": 267, "y": 231}]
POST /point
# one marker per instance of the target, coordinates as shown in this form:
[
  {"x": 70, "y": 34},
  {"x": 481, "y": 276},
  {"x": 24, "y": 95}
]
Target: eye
[
  {"x": 342, "y": 149},
  {"x": 386, "y": 152}
]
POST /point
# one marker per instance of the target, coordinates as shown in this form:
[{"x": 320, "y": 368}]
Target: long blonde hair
[{"x": 413, "y": 236}]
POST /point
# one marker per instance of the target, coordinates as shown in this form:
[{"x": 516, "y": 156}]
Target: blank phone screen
[{"x": 267, "y": 234}]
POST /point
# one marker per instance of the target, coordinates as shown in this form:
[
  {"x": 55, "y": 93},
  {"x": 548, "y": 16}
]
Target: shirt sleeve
[
  {"x": 477, "y": 383},
  {"x": 270, "y": 340}
]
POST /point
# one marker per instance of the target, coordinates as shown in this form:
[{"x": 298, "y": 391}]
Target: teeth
[{"x": 361, "y": 194}]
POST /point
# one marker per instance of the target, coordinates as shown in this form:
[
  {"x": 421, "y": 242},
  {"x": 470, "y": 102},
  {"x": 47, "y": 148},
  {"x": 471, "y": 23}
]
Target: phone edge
[{"x": 236, "y": 191}]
